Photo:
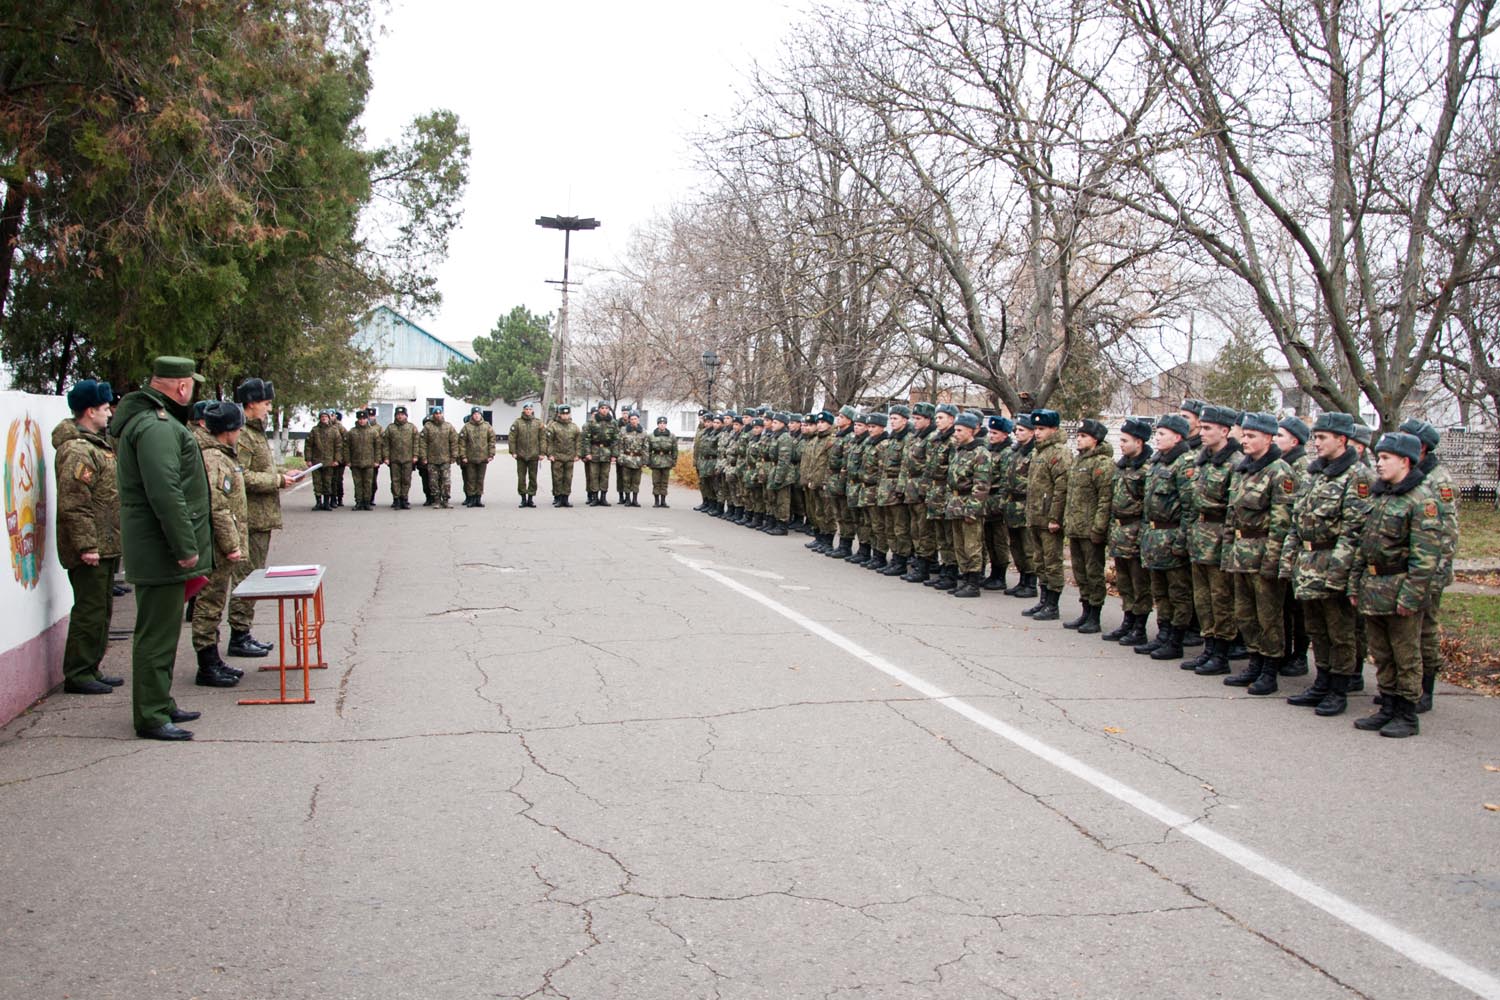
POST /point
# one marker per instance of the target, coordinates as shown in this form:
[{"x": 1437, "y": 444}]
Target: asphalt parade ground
[{"x": 610, "y": 753}]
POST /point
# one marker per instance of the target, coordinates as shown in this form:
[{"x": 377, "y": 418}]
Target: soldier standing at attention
[
  {"x": 1191, "y": 410},
  {"x": 88, "y": 532},
  {"x": 1126, "y": 506},
  {"x": 336, "y": 481},
  {"x": 401, "y": 442},
  {"x": 758, "y": 470},
  {"x": 524, "y": 442},
  {"x": 322, "y": 447},
  {"x": 795, "y": 422},
  {"x": 1439, "y": 481},
  {"x": 165, "y": 530},
  {"x": 263, "y": 486},
  {"x": 1090, "y": 491},
  {"x": 1261, "y": 494},
  {"x": 1400, "y": 561},
  {"x": 230, "y": 519},
  {"x": 891, "y": 496},
  {"x": 633, "y": 447},
  {"x": 814, "y": 473},
  {"x": 1046, "y": 500},
  {"x": 836, "y": 489},
  {"x": 996, "y": 537},
  {"x": 476, "y": 449},
  {"x": 1163, "y": 538},
  {"x": 366, "y": 450},
  {"x": 437, "y": 449},
  {"x": 968, "y": 491},
  {"x": 598, "y": 451},
  {"x": 661, "y": 457},
  {"x": 428, "y": 498},
  {"x": 1205, "y": 519},
  {"x": 731, "y": 455},
  {"x": 913, "y": 470},
  {"x": 935, "y": 478},
  {"x": 781, "y": 474},
  {"x": 872, "y": 524},
  {"x": 1018, "y": 482},
  {"x": 560, "y": 448},
  {"x": 704, "y": 422},
  {"x": 1292, "y": 436}
]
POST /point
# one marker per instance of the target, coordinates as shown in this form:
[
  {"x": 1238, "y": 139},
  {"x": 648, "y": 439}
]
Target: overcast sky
[{"x": 580, "y": 108}]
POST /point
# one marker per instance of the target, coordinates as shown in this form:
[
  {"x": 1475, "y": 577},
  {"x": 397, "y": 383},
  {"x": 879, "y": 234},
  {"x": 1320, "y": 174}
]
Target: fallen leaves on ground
[{"x": 1113, "y": 729}]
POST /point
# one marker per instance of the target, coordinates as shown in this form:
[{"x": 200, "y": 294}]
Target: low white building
[{"x": 412, "y": 363}]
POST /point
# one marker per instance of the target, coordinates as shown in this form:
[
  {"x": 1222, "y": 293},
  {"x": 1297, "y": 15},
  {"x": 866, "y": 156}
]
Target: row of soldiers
[{"x": 1217, "y": 520}]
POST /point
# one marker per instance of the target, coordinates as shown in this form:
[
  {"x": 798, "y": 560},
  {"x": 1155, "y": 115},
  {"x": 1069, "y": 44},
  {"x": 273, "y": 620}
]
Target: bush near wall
[{"x": 685, "y": 472}]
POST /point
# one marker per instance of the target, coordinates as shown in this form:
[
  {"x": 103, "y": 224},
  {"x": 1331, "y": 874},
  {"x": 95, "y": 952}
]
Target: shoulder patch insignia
[
  {"x": 161, "y": 414},
  {"x": 83, "y": 473},
  {"x": 1363, "y": 489},
  {"x": 1446, "y": 493},
  {"x": 1289, "y": 485},
  {"x": 1430, "y": 508},
  {"x": 228, "y": 486},
  {"x": 1191, "y": 472}
]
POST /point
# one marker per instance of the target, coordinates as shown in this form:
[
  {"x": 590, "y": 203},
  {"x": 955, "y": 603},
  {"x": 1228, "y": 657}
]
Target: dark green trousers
[
  {"x": 153, "y": 652},
  {"x": 1088, "y": 569},
  {"x": 526, "y": 476},
  {"x": 1330, "y": 626},
  {"x": 88, "y": 624},
  {"x": 1396, "y": 647},
  {"x": 1134, "y": 584}
]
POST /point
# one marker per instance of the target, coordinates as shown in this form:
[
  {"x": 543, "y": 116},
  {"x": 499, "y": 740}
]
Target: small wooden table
[{"x": 303, "y": 595}]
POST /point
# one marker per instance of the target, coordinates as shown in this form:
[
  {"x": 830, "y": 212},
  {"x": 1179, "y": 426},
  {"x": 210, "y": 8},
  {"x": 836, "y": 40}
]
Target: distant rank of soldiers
[{"x": 1251, "y": 539}]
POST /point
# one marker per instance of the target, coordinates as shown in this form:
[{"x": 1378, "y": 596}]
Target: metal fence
[{"x": 1473, "y": 459}]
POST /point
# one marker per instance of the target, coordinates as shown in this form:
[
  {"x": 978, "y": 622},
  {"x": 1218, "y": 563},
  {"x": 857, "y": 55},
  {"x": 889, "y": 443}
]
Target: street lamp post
[
  {"x": 556, "y": 389},
  {"x": 711, "y": 365}
]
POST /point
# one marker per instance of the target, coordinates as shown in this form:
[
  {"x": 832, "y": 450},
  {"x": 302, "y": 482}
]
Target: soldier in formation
[
  {"x": 633, "y": 457},
  {"x": 661, "y": 459},
  {"x": 599, "y": 438},
  {"x": 476, "y": 449},
  {"x": 230, "y": 520},
  {"x": 525, "y": 443},
  {"x": 365, "y": 449},
  {"x": 402, "y": 441},
  {"x": 562, "y": 446},
  {"x": 437, "y": 449},
  {"x": 324, "y": 447},
  {"x": 263, "y": 485}
]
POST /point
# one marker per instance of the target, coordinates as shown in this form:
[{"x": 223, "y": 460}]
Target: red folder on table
[{"x": 276, "y": 572}]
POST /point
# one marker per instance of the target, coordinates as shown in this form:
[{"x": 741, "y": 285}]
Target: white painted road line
[{"x": 1449, "y": 966}]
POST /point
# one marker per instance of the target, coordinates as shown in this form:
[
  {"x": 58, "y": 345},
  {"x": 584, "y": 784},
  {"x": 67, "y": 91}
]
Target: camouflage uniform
[
  {"x": 336, "y": 479},
  {"x": 599, "y": 437},
  {"x": 996, "y": 537},
  {"x": 1261, "y": 494},
  {"x": 325, "y": 446},
  {"x": 401, "y": 441},
  {"x": 913, "y": 467},
  {"x": 437, "y": 450},
  {"x": 632, "y": 458},
  {"x": 731, "y": 458},
  {"x": 1090, "y": 491},
  {"x": 263, "y": 496},
  {"x": 890, "y": 497},
  {"x": 88, "y": 520},
  {"x": 661, "y": 459},
  {"x": 1126, "y": 505},
  {"x": 564, "y": 440},
  {"x": 706, "y": 444},
  {"x": 1018, "y": 482},
  {"x": 1046, "y": 501},
  {"x": 229, "y": 515},
  {"x": 476, "y": 449},
  {"x": 939, "y": 452},
  {"x": 781, "y": 478},
  {"x": 366, "y": 450},
  {"x": 871, "y": 473},
  {"x": 836, "y": 488},
  {"x": 1163, "y": 538},
  {"x": 854, "y": 489},
  {"x": 1206, "y": 524},
  {"x": 814, "y": 473},
  {"x": 967, "y": 496},
  {"x": 1439, "y": 481},
  {"x": 524, "y": 443}
]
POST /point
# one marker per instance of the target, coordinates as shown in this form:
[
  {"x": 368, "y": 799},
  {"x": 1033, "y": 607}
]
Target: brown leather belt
[
  {"x": 1377, "y": 569},
  {"x": 1252, "y": 533},
  {"x": 1212, "y": 516},
  {"x": 1319, "y": 546},
  {"x": 1135, "y": 519},
  {"x": 1166, "y": 524}
]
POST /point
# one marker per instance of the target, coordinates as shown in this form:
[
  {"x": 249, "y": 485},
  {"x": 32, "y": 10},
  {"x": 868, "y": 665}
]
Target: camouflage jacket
[
  {"x": 732, "y": 455},
  {"x": 1261, "y": 493},
  {"x": 1047, "y": 482},
  {"x": 88, "y": 498},
  {"x": 1002, "y": 456},
  {"x": 706, "y": 453},
  {"x": 525, "y": 439},
  {"x": 1018, "y": 484},
  {"x": 871, "y": 469},
  {"x": 366, "y": 446},
  {"x": 599, "y": 437},
  {"x": 781, "y": 461},
  {"x": 1440, "y": 482},
  {"x": 838, "y": 456},
  {"x": 1207, "y": 524},
  {"x": 1296, "y": 460},
  {"x": 968, "y": 482},
  {"x": 1090, "y": 491},
  {"x": 891, "y": 455},
  {"x": 1327, "y": 516},
  {"x": 1127, "y": 502},
  {"x": 325, "y": 445},
  {"x": 632, "y": 446},
  {"x": 476, "y": 442},
  {"x": 402, "y": 440},
  {"x": 262, "y": 480},
  {"x": 914, "y": 464},
  {"x": 815, "y": 459},
  {"x": 1400, "y": 552},
  {"x": 227, "y": 504},
  {"x": 939, "y": 452},
  {"x": 661, "y": 449},
  {"x": 854, "y": 470},
  {"x": 698, "y": 436},
  {"x": 564, "y": 441},
  {"x": 438, "y": 444},
  {"x": 760, "y": 458},
  {"x": 1169, "y": 482}
]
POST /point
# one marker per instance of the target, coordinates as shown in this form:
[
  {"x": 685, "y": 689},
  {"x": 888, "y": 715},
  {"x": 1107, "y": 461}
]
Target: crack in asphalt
[
  {"x": 75, "y": 769},
  {"x": 355, "y": 628}
]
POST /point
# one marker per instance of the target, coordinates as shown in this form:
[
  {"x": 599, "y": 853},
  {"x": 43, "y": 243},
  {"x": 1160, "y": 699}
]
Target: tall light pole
[
  {"x": 556, "y": 389},
  {"x": 711, "y": 365}
]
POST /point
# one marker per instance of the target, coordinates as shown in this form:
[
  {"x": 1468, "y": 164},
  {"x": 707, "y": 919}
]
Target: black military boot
[
  {"x": 1237, "y": 650},
  {"x": 1296, "y": 664},
  {"x": 1266, "y": 683},
  {"x": 1083, "y": 616},
  {"x": 1122, "y": 630},
  {"x": 948, "y": 578},
  {"x": 1137, "y": 634},
  {"x": 1381, "y": 717},
  {"x": 210, "y": 670},
  {"x": 995, "y": 581},
  {"x": 1249, "y": 675},
  {"x": 1429, "y": 685},
  {"x": 916, "y": 570},
  {"x": 1026, "y": 589},
  {"x": 1171, "y": 647},
  {"x": 1092, "y": 626},
  {"x": 1049, "y": 611},
  {"x": 1151, "y": 646},
  {"x": 938, "y": 570},
  {"x": 859, "y": 556},
  {"x": 1336, "y": 699},
  {"x": 1204, "y": 655},
  {"x": 777, "y": 528},
  {"x": 243, "y": 644},
  {"x": 1191, "y": 636},
  {"x": 1404, "y": 723},
  {"x": 969, "y": 587},
  {"x": 599, "y": 500},
  {"x": 567, "y": 500},
  {"x": 897, "y": 567},
  {"x": 1041, "y": 602},
  {"x": 1218, "y": 658},
  {"x": 1312, "y": 696},
  {"x": 478, "y": 500},
  {"x": 878, "y": 562},
  {"x": 1357, "y": 680}
]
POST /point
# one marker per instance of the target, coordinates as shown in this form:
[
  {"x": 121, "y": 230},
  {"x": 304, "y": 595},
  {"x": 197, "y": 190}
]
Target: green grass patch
[
  {"x": 1478, "y": 531},
  {"x": 1471, "y": 640}
]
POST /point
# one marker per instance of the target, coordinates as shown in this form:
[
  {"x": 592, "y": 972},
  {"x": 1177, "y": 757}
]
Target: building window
[
  {"x": 687, "y": 420},
  {"x": 433, "y": 403}
]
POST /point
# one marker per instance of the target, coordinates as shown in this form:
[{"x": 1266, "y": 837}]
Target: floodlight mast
[{"x": 556, "y": 388}]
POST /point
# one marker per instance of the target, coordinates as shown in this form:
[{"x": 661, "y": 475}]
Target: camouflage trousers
[
  {"x": 440, "y": 479},
  {"x": 943, "y": 536},
  {"x": 595, "y": 477},
  {"x": 1215, "y": 600},
  {"x": 817, "y": 509},
  {"x": 1020, "y": 549},
  {"x": 779, "y": 502},
  {"x": 864, "y": 528},
  {"x": 898, "y": 528},
  {"x": 474, "y": 474},
  {"x": 208, "y": 606},
  {"x": 923, "y": 537},
  {"x": 323, "y": 481},
  {"x": 400, "y": 480},
  {"x": 967, "y": 535},
  {"x": 1047, "y": 555},
  {"x": 425, "y": 472},
  {"x": 997, "y": 544},
  {"x": 629, "y": 479},
  {"x": 364, "y": 484},
  {"x": 242, "y": 613},
  {"x": 1330, "y": 626},
  {"x": 1396, "y": 647},
  {"x": 799, "y": 503},
  {"x": 659, "y": 480},
  {"x": 1088, "y": 570},
  {"x": 1259, "y": 611},
  {"x": 1172, "y": 593},
  {"x": 755, "y": 498},
  {"x": 1133, "y": 581},
  {"x": 562, "y": 477},
  {"x": 526, "y": 469},
  {"x": 843, "y": 516}
]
